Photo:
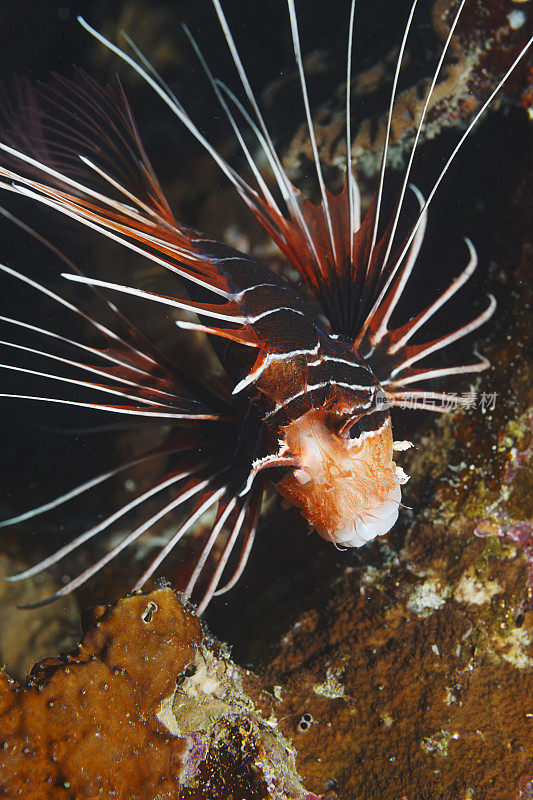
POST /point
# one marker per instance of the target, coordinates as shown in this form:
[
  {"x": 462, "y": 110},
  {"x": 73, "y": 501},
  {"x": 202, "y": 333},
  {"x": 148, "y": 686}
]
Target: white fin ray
[
  {"x": 86, "y": 384},
  {"x": 287, "y": 190},
  {"x": 222, "y": 561},
  {"x": 62, "y": 552},
  {"x": 220, "y": 97},
  {"x": 174, "y": 106},
  {"x": 85, "y": 218},
  {"x": 80, "y": 489},
  {"x": 430, "y": 374},
  {"x": 198, "y": 567},
  {"x": 167, "y": 301},
  {"x": 246, "y": 550},
  {"x": 445, "y": 169},
  {"x": 387, "y": 134},
  {"x": 452, "y": 337},
  {"x": 112, "y": 409},
  {"x": 180, "y": 533},
  {"x": 443, "y": 298},
  {"x": 420, "y": 126},
  {"x": 305, "y": 97},
  {"x": 99, "y": 327},
  {"x": 245, "y": 191},
  {"x": 406, "y": 273},
  {"x": 129, "y": 539},
  {"x": 152, "y": 214},
  {"x": 355, "y": 211},
  {"x": 93, "y": 350},
  {"x": 88, "y": 368}
]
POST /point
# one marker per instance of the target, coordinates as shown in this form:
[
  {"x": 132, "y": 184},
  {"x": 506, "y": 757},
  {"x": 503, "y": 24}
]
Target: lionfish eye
[
  {"x": 351, "y": 428},
  {"x": 355, "y": 430}
]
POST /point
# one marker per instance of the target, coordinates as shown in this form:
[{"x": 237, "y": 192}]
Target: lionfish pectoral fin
[
  {"x": 199, "y": 482},
  {"x": 392, "y": 357}
]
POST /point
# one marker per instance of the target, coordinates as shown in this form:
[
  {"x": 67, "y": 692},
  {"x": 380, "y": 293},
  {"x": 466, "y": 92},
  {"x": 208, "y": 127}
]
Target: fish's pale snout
[
  {"x": 376, "y": 522},
  {"x": 348, "y": 490}
]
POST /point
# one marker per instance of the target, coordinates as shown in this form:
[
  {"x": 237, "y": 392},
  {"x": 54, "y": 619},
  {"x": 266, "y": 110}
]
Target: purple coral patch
[{"x": 194, "y": 755}]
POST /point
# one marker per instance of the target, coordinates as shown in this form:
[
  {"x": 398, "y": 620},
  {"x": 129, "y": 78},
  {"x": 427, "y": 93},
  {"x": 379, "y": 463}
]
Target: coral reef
[
  {"x": 146, "y": 708},
  {"x": 413, "y": 685}
]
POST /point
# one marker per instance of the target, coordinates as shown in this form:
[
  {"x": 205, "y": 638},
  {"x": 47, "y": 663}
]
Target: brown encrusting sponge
[
  {"x": 143, "y": 710},
  {"x": 86, "y": 725}
]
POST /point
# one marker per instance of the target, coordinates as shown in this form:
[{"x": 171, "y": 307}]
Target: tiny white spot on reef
[
  {"x": 471, "y": 590},
  {"x": 438, "y": 742},
  {"x": 386, "y": 719},
  {"x": 276, "y": 691},
  {"x": 515, "y": 648},
  {"x": 427, "y": 597},
  {"x": 331, "y": 688},
  {"x": 516, "y": 18},
  {"x": 450, "y": 696}
]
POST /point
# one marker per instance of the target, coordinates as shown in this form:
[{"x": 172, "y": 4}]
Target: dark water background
[{"x": 288, "y": 567}]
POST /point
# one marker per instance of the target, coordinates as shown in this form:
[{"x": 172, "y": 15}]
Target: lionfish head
[{"x": 347, "y": 484}]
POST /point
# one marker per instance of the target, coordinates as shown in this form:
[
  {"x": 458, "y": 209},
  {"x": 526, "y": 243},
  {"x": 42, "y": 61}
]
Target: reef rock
[
  {"x": 146, "y": 708},
  {"x": 30, "y": 635}
]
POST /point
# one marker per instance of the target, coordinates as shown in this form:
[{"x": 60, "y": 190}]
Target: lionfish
[{"x": 307, "y": 396}]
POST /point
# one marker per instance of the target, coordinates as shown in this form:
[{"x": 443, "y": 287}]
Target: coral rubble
[{"x": 146, "y": 708}]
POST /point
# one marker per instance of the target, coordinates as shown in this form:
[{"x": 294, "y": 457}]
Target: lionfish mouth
[
  {"x": 376, "y": 522},
  {"x": 348, "y": 489}
]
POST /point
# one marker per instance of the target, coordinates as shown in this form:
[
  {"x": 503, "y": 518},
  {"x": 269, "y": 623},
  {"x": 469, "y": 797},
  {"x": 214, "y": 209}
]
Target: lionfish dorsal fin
[
  {"x": 311, "y": 235},
  {"x": 321, "y": 240},
  {"x": 337, "y": 262}
]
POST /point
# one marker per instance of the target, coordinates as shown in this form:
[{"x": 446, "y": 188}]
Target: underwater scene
[{"x": 266, "y": 496}]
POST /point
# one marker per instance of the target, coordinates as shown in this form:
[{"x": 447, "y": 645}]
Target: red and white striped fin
[{"x": 64, "y": 118}]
